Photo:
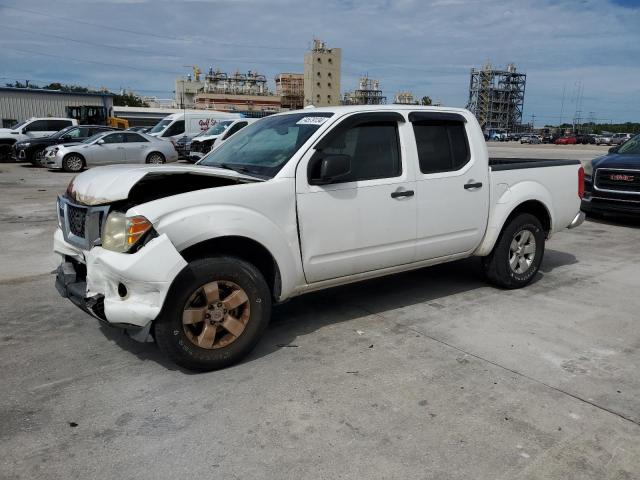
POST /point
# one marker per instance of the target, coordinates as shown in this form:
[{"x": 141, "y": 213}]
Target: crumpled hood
[{"x": 108, "y": 184}]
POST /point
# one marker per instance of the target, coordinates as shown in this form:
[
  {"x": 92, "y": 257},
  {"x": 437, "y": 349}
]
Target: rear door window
[
  {"x": 442, "y": 145},
  {"x": 57, "y": 125},
  {"x": 134, "y": 138},
  {"x": 114, "y": 138}
]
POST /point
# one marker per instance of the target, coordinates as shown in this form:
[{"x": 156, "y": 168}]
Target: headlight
[
  {"x": 121, "y": 232},
  {"x": 25, "y": 145},
  {"x": 588, "y": 168}
]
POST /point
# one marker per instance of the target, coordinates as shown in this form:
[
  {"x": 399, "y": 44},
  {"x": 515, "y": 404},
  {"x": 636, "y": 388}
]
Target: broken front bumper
[{"x": 122, "y": 289}]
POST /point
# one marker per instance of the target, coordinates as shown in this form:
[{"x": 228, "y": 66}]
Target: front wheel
[
  {"x": 73, "y": 163},
  {"x": 215, "y": 315},
  {"x": 517, "y": 255}
]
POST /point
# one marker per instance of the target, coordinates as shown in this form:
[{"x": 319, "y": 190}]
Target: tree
[
  {"x": 125, "y": 99},
  {"x": 426, "y": 101}
]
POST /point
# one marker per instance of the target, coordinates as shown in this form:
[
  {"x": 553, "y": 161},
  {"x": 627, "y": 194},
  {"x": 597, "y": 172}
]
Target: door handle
[
  {"x": 403, "y": 193},
  {"x": 469, "y": 186}
]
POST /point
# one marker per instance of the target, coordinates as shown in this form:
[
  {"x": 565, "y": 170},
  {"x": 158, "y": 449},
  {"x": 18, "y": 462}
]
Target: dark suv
[
  {"x": 612, "y": 182},
  {"x": 32, "y": 149}
]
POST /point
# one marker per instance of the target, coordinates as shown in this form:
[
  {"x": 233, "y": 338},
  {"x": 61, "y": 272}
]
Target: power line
[
  {"x": 134, "y": 32},
  {"x": 83, "y": 42}
]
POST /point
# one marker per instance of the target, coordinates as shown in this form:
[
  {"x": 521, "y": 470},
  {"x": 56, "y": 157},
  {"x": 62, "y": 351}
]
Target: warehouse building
[{"x": 19, "y": 104}]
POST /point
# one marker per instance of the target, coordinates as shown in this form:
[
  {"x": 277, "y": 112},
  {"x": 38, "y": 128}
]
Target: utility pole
[{"x": 533, "y": 121}]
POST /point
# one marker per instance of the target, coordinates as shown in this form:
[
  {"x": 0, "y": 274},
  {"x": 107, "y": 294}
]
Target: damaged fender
[{"x": 134, "y": 285}]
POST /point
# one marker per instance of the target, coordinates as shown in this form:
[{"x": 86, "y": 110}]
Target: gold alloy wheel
[{"x": 216, "y": 314}]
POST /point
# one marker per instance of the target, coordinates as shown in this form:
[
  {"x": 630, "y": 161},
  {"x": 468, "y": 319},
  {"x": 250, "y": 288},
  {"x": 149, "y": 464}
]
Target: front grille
[
  {"x": 618, "y": 180},
  {"x": 77, "y": 218},
  {"x": 197, "y": 147},
  {"x": 81, "y": 225}
]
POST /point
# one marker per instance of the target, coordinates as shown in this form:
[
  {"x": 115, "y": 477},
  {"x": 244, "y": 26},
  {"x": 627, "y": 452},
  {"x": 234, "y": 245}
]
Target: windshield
[
  {"x": 631, "y": 146},
  {"x": 62, "y": 132},
  {"x": 161, "y": 125},
  {"x": 218, "y": 128},
  {"x": 95, "y": 137},
  {"x": 262, "y": 148},
  {"x": 17, "y": 125}
]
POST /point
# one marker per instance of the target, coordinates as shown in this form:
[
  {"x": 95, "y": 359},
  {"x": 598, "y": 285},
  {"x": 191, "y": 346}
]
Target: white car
[
  {"x": 298, "y": 202},
  {"x": 108, "y": 148},
  {"x": 32, "y": 128},
  {"x": 219, "y": 133}
]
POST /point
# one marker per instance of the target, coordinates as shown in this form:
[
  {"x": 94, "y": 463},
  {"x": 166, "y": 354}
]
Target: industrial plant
[
  {"x": 496, "y": 97},
  {"x": 367, "y": 93}
]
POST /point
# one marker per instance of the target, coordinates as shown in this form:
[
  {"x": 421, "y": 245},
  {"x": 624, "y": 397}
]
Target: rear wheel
[
  {"x": 73, "y": 163},
  {"x": 518, "y": 253},
  {"x": 155, "y": 158},
  {"x": 215, "y": 315}
]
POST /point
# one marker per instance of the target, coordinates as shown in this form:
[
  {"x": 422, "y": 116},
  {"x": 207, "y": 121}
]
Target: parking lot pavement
[
  {"x": 431, "y": 374},
  {"x": 583, "y": 153}
]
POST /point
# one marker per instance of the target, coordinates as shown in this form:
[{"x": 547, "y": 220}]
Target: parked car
[
  {"x": 202, "y": 144},
  {"x": 548, "y": 138},
  {"x": 529, "y": 139},
  {"x": 297, "y": 202},
  {"x": 174, "y": 126},
  {"x": 620, "y": 138},
  {"x": 139, "y": 129},
  {"x": 183, "y": 147},
  {"x": 605, "y": 139},
  {"x": 32, "y": 150},
  {"x": 584, "y": 139},
  {"x": 566, "y": 140},
  {"x": 612, "y": 182},
  {"x": 30, "y": 129},
  {"x": 107, "y": 148}
]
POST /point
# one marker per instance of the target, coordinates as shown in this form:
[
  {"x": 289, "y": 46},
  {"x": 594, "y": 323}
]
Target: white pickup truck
[{"x": 194, "y": 256}]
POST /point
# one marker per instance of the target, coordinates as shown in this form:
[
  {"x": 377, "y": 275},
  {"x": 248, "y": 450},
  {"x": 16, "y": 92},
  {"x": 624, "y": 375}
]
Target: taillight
[{"x": 581, "y": 182}]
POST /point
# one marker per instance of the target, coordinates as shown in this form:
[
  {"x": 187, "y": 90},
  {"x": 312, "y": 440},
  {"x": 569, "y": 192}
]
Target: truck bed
[{"x": 498, "y": 164}]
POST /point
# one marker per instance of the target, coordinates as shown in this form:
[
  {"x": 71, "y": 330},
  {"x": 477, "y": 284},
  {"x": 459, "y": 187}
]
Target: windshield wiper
[{"x": 239, "y": 169}]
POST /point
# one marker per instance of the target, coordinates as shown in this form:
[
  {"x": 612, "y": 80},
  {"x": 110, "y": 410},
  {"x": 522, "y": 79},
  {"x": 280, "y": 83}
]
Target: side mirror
[
  {"x": 614, "y": 149},
  {"x": 331, "y": 169},
  {"x": 100, "y": 142},
  {"x": 66, "y": 137}
]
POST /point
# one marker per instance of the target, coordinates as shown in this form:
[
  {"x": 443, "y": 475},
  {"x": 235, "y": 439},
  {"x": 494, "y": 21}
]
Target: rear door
[
  {"x": 452, "y": 186},
  {"x": 135, "y": 148},
  {"x": 367, "y": 220}
]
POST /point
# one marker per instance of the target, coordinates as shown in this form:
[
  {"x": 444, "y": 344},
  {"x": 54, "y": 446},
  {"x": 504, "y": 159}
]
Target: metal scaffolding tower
[
  {"x": 496, "y": 97},
  {"x": 367, "y": 93}
]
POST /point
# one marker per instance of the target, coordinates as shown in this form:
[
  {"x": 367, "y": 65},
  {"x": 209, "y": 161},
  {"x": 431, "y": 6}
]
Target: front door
[
  {"x": 111, "y": 151},
  {"x": 452, "y": 186},
  {"x": 367, "y": 220}
]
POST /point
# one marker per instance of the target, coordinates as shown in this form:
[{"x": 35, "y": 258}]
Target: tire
[
  {"x": 515, "y": 241},
  {"x": 180, "y": 329},
  {"x": 156, "y": 158},
  {"x": 73, "y": 163}
]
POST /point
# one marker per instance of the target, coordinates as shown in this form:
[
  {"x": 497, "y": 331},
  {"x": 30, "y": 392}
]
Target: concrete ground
[{"x": 431, "y": 374}]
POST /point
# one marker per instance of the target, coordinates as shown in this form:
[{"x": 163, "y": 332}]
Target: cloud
[{"x": 424, "y": 46}]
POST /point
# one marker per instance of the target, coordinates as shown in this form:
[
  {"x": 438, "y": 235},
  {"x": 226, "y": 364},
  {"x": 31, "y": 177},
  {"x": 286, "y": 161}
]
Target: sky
[{"x": 579, "y": 55}]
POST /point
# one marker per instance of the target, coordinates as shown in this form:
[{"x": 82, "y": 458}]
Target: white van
[
  {"x": 177, "y": 125},
  {"x": 203, "y": 143}
]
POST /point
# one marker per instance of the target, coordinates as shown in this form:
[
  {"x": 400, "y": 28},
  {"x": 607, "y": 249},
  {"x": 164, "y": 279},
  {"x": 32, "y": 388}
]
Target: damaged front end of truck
[{"x": 115, "y": 267}]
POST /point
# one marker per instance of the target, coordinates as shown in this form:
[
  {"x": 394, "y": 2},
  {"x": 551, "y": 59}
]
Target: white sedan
[{"x": 107, "y": 148}]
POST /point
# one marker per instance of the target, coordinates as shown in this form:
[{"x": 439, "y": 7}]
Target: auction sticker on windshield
[{"x": 312, "y": 120}]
